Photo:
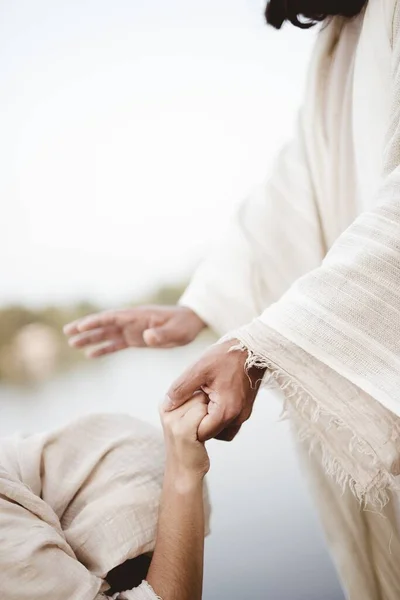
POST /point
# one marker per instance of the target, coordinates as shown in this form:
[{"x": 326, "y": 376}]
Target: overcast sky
[{"x": 129, "y": 130}]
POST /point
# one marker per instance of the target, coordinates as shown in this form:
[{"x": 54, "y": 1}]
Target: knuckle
[
  {"x": 177, "y": 387},
  {"x": 231, "y": 412},
  {"x": 245, "y": 416},
  {"x": 202, "y": 410},
  {"x": 174, "y": 390},
  {"x": 179, "y": 336},
  {"x": 166, "y": 417}
]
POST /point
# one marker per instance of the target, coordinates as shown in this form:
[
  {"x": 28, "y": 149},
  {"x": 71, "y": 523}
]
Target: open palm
[{"x": 153, "y": 326}]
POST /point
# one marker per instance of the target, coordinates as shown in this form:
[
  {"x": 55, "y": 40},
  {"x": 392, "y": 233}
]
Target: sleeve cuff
[{"x": 143, "y": 592}]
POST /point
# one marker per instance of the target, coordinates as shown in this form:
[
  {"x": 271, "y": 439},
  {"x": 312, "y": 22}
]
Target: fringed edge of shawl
[
  {"x": 145, "y": 590},
  {"x": 298, "y": 399}
]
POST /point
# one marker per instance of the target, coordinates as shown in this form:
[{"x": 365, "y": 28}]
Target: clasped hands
[{"x": 220, "y": 373}]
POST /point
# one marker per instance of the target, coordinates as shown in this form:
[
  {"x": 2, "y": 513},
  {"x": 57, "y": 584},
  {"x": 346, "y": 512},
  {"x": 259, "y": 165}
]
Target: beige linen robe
[{"x": 74, "y": 504}]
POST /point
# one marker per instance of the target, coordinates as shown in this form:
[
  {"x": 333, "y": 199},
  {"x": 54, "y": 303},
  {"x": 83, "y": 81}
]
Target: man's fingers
[
  {"x": 228, "y": 434},
  {"x": 213, "y": 423},
  {"x": 210, "y": 427},
  {"x": 71, "y": 328},
  {"x": 180, "y": 412},
  {"x": 94, "y": 336},
  {"x": 103, "y": 319},
  {"x": 185, "y": 387},
  {"x": 106, "y": 349},
  {"x": 164, "y": 336},
  {"x": 186, "y": 419},
  {"x": 194, "y": 416},
  {"x": 221, "y": 415}
]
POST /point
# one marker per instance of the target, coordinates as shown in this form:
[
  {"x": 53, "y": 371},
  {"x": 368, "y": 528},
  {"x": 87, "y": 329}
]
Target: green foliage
[
  {"x": 166, "y": 294},
  {"x": 13, "y": 320}
]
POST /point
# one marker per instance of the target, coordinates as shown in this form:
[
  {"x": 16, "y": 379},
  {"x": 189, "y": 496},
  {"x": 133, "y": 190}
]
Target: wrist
[
  {"x": 256, "y": 375},
  {"x": 181, "y": 479},
  {"x": 199, "y": 322}
]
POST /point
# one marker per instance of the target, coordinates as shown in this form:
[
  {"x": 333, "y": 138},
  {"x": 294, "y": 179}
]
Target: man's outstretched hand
[
  {"x": 153, "y": 326},
  {"x": 231, "y": 390},
  {"x": 221, "y": 374}
]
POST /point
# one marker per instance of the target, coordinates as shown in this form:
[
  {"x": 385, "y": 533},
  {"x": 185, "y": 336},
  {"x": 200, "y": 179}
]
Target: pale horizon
[{"x": 129, "y": 133}]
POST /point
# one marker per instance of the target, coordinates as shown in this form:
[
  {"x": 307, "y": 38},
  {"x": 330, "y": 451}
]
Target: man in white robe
[{"x": 304, "y": 287}]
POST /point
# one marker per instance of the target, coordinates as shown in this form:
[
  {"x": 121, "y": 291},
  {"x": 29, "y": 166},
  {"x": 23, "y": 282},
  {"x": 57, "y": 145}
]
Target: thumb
[
  {"x": 193, "y": 418},
  {"x": 184, "y": 388},
  {"x": 212, "y": 424},
  {"x": 158, "y": 337}
]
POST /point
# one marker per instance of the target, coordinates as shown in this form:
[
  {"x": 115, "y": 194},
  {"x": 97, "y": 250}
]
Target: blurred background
[{"x": 129, "y": 130}]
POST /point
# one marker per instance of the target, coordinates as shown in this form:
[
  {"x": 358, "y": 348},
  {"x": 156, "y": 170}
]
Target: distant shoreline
[{"x": 33, "y": 346}]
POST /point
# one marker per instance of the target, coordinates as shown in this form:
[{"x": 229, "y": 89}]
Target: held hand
[
  {"x": 187, "y": 457},
  {"x": 153, "y": 326},
  {"x": 230, "y": 389}
]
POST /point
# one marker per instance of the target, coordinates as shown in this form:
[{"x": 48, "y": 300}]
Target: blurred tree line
[{"x": 32, "y": 343}]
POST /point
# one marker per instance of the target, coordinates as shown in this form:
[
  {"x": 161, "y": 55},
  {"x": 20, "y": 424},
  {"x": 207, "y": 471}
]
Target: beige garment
[
  {"x": 316, "y": 251},
  {"x": 76, "y": 503}
]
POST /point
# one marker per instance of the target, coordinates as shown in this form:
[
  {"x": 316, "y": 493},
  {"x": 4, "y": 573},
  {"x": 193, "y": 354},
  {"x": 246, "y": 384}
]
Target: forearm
[{"x": 176, "y": 571}]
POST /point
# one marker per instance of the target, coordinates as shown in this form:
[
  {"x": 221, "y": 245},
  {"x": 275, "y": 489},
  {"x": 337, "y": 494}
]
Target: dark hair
[{"x": 306, "y": 13}]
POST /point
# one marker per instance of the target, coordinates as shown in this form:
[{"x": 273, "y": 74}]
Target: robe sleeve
[
  {"x": 346, "y": 312},
  {"x": 261, "y": 253}
]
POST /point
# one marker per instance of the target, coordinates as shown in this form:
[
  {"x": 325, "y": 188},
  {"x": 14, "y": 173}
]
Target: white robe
[{"x": 321, "y": 309}]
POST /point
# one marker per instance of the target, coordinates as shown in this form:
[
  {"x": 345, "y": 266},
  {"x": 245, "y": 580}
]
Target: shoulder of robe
[
  {"x": 386, "y": 13},
  {"x": 390, "y": 9}
]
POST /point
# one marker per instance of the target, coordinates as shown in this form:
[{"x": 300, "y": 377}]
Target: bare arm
[{"x": 176, "y": 571}]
